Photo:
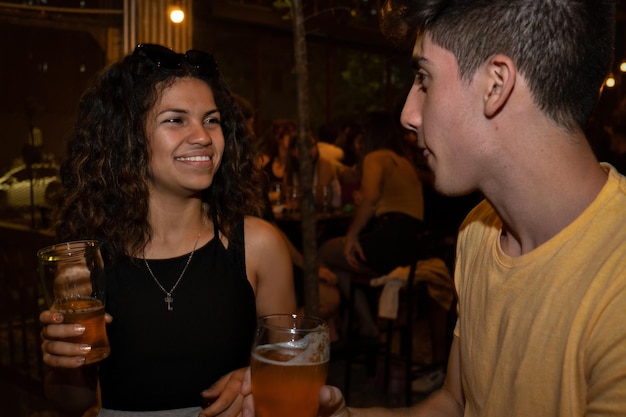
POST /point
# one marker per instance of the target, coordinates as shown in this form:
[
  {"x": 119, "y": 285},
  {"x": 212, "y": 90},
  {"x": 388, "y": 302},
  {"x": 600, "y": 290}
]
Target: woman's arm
[
  {"x": 370, "y": 192},
  {"x": 269, "y": 268},
  {"x": 270, "y": 273}
]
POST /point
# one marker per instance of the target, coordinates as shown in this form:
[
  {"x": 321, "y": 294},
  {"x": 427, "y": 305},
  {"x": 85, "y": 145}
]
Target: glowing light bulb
[
  {"x": 610, "y": 82},
  {"x": 622, "y": 66},
  {"x": 177, "y": 15}
]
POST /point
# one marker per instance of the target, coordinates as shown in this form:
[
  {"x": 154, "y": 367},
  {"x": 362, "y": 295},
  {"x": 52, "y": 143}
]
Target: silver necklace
[{"x": 168, "y": 294}]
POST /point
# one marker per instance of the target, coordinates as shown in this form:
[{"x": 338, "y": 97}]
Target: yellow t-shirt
[{"x": 544, "y": 334}]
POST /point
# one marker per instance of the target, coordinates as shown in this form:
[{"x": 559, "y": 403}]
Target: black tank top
[{"x": 162, "y": 359}]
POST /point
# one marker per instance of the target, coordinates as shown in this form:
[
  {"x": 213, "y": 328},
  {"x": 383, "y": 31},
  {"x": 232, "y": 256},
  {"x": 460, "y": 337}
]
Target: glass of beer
[
  {"x": 289, "y": 365},
  {"x": 323, "y": 195},
  {"x": 72, "y": 278}
]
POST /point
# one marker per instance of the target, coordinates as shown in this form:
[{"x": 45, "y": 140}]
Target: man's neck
[{"x": 546, "y": 209}]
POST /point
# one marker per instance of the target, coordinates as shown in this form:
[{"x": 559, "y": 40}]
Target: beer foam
[
  {"x": 72, "y": 280},
  {"x": 312, "y": 349},
  {"x": 72, "y": 272}
]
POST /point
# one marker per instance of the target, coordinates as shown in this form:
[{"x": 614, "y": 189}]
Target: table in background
[{"x": 329, "y": 225}]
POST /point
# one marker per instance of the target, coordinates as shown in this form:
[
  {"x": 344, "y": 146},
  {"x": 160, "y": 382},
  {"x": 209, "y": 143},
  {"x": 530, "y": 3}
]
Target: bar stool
[
  {"x": 357, "y": 282},
  {"x": 405, "y": 324},
  {"x": 363, "y": 283}
]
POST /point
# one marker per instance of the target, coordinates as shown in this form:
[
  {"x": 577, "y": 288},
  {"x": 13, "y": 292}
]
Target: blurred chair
[{"x": 407, "y": 291}]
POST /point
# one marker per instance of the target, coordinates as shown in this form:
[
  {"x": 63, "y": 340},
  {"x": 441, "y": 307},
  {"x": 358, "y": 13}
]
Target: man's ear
[{"x": 500, "y": 73}]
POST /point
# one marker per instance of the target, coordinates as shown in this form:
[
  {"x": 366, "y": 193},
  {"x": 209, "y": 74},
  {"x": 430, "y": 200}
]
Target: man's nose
[{"x": 411, "y": 116}]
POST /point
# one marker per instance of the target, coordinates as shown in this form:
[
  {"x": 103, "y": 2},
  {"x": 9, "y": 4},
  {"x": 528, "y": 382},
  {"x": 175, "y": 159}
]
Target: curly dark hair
[
  {"x": 105, "y": 175},
  {"x": 564, "y": 48}
]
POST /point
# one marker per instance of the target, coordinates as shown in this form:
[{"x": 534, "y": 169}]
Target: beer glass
[
  {"x": 72, "y": 278},
  {"x": 289, "y": 365},
  {"x": 275, "y": 195},
  {"x": 323, "y": 195},
  {"x": 292, "y": 199}
]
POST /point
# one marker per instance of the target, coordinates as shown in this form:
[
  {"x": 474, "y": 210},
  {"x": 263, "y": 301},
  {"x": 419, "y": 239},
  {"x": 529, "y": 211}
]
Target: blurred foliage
[{"x": 284, "y": 6}]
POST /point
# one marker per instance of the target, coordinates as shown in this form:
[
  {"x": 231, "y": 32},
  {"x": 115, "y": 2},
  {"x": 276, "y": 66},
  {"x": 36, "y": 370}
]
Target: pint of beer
[
  {"x": 289, "y": 365},
  {"x": 72, "y": 277}
]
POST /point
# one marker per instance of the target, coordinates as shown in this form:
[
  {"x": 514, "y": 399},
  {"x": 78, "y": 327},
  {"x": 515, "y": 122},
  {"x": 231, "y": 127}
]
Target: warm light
[
  {"x": 177, "y": 15},
  {"x": 622, "y": 66},
  {"x": 610, "y": 82}
]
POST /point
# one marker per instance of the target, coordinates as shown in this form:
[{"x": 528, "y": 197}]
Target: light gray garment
[{"x": 179, "y": 412}]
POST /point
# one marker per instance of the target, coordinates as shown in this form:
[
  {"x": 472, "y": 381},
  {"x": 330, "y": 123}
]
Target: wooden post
[{"x": 307, "y": 208}]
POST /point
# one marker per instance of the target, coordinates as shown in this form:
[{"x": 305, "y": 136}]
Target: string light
[
  {"x": 610, "y": 81},
  {"x": 622, "y": 66},
  {"x": 177, "y": 14}
]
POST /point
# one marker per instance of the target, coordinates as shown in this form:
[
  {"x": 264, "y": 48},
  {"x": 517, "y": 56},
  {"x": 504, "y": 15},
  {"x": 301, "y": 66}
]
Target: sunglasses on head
[{"x": 164, "y": 57}]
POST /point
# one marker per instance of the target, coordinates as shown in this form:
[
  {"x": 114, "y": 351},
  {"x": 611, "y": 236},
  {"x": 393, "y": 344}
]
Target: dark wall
[{"x": 48, "y": 69}]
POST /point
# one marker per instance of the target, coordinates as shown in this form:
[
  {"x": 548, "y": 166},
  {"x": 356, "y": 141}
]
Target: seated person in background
[
  {"x": 275, "y": 148},
  {"x": 324, "y": 172},
  {"x": 329, "y": 297},
  {"x": 328, "y": 134},
  {"x": 247, "y": 111},
  {"x": 389, "y": 215},
  {"x": 350, "y": 174},
  {"x": 350, "y": 129}
]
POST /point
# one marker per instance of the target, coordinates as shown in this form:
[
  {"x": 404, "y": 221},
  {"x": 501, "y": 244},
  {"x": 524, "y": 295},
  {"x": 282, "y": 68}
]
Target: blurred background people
[
  {"x": 389, "y": 215},
  {"x": 328, "y": 135},
  {"x": 275, "y": 148},
  {"x": 326, "y": 185},
  {"x": 247, "y": 111},
  {"x": 350, "y": 174},
  {"x": 281, "y": 172}
]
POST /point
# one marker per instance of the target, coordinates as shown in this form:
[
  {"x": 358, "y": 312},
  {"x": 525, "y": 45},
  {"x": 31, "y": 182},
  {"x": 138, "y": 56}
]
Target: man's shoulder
[
  {"x": 610, "y": 205},
  {"x": 482, "y": 212},
  {"x": 616, "y": 182},
  {"x": 481, "y": 226}
]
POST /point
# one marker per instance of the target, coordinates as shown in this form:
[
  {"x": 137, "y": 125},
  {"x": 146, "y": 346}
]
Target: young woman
[{"x": 160, "y": 171}]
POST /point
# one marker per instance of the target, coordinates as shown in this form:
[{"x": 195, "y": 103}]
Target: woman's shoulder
[
  {"x": 255, "y": 223},
  {"x": 381, "y": 153},
  {"x": 258, "y": 230},
  {"x": 325, "y": 163},
  {"x": 381, "y": 156},
  {"x": 263, "y": 241}
]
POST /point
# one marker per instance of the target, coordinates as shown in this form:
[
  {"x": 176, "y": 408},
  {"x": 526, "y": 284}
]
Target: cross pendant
[{"x": 169, "y": 300}]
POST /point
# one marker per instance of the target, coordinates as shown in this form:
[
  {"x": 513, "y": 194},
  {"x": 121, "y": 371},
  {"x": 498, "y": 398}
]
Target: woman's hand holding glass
[
  {"x": 57, "y": 352},
  {"x": 73, "y": 286}
]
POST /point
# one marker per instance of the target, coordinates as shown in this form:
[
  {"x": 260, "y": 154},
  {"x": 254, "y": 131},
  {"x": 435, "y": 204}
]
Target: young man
[{"x": 502, "y": 92}]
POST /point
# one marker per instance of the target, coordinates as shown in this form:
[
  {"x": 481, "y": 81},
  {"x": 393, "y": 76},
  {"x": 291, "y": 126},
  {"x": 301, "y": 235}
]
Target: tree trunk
[{"x": 307, "y": 208}]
